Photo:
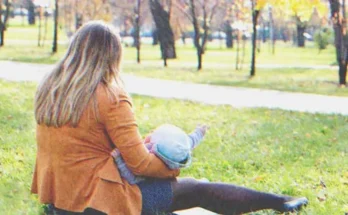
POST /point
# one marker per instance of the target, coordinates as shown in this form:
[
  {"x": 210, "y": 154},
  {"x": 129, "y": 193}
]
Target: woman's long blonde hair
[{"x": 93, "y": 58}]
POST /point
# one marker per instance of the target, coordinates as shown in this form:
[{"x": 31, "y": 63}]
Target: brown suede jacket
[{"x": 74, "y": 169}]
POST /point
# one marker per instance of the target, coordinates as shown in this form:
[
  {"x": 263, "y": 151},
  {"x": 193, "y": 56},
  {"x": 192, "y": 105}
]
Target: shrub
[{"x": 323, "y": 37}]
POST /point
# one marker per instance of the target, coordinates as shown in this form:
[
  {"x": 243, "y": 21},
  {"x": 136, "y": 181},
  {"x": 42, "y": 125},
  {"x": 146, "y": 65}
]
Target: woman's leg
[{"x": 227, "y": 198}]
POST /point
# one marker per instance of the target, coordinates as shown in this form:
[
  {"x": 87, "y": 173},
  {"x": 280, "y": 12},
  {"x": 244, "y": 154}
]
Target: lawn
[
  {"x": 271, "y": 150},
  {"x": 19, "y": 31}
]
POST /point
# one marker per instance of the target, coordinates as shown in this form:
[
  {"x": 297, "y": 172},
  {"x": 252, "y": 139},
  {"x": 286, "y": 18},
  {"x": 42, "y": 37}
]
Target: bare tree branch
[
  {"x": 115, "y": 5},
  {"x": 213, "y": 11},
  {"x": 188, "y": 15}
]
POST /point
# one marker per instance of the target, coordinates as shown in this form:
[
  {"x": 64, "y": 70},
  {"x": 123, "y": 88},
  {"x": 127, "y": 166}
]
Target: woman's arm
[{"x": 120, "y": 124}]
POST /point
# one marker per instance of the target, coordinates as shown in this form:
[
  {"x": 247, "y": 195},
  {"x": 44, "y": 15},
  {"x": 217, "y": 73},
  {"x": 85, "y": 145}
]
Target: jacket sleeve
[{"x": 122, "y": 129}]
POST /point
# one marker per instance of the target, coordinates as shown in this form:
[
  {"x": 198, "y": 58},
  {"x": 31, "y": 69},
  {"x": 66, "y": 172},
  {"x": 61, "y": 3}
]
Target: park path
[{"x": 214, "y": 95}]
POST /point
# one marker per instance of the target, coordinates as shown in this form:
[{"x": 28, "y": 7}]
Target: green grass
[
  {"x": 19, "y": 29},
  {"x": 285, "y": 54},
  {"x": 269, "y": 150}
]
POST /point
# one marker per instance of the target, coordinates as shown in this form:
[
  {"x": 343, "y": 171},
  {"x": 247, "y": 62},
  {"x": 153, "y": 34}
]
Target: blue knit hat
[{"x": 172, "y": 145}]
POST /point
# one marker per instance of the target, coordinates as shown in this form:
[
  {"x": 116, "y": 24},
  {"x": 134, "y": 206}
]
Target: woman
[{"x": 83, "y": 113}]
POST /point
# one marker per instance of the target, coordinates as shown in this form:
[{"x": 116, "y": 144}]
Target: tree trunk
[
  {"x": 199, "y": 56},
  {"x": 244, "y": 39},
  {"x": 255, "y": 16},
  {"x": 31, "y": 12},
  {"x": 300, "y": 37},
  {"x": 3, "y": 22},
  {"x": 264, "y": 33},
  {"x": 165, "y": 33},
  {"x": 1, "y": 27},
  {"x": 78, "y": 21},
  {"x": 229, "y": 37},
  {"x": 342, "y": 73},
  {"x": 137, "y": 29},
  {"x": 154, "y": 37},
  {"x": 238, "y": 49},
  {"x": 39, "y": 27},
  {"x": 45, "y": 30},
  {"x": 341, "y": 40},
  {"x": 197, "y": 35},
  {"x": 55, "y": 29},
  {"x": 271, "y": 30}
]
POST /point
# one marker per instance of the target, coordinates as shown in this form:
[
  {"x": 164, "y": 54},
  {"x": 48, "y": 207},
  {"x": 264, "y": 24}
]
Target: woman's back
[{"x": 75, "y": 163}]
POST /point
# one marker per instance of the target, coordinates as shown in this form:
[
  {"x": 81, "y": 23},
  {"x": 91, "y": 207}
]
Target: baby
[{"x": 170, "y": 143}]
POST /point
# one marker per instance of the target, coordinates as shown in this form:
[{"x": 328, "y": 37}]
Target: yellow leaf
[
  {"x": 346, "y": 174},
  {"x": 259, "y": 178},
  {"x": 260, "y": 4}
]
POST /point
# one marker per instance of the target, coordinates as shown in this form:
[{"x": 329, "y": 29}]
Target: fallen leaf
[
  {"x": 254, "y": 122},
  {"x": 259, "y": 178},
  {"x": 322, "y": 195},
  {"x": 321, "y": 198}
]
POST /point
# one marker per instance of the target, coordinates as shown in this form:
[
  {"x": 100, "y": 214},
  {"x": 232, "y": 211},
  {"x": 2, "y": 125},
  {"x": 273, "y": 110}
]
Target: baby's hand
[
  {"x": 115, "y": 153},
  {"x": 147, "y": 139},
  {"x": 197, "y": 135},
  {"x": 202, "y": 128},
  {"x": 149, "y": 146}
]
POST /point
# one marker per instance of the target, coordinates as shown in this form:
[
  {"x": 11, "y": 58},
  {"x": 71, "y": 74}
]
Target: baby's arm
[
  {"x": 123, "y": 169},
  {"x": 197, "y": 135}
]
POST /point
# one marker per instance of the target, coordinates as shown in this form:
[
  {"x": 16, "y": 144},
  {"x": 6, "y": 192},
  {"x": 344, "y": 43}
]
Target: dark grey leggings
[
  {"x": 222, "y": 198},
  {"x": 187, "y": 193}
]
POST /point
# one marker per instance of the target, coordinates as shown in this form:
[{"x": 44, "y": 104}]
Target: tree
[
  {"x": 137, "y": 28},
  {"x": 226, "y": 25},
  {"x": 271, "y": 29},
  {"x": 229, "y": 33},
  {"x": 3, "y": 20},
  {"x": 301, "y": 12},
  {"x": 341, "y": 38},
  {"x": 201, "y": 14},
  {"x": 256, "y": 7},
  {"x": 55, "y": 28},
  {"x": 31, "y": 12},
  {"x": 76, "y": 12},
  {"x": 164, "y": 30},
  {"x": 40, "y": 26},
  {"x": 241, "y": 12},
  {"x": 131, "y": 15}
]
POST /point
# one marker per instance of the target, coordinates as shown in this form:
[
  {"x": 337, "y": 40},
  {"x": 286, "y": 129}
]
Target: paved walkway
[{"x": 214, "y": 95}]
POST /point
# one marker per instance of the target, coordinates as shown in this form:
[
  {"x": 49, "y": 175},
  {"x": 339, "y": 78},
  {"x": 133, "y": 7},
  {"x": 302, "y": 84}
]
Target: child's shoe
[{"x": 295, "y": 204}]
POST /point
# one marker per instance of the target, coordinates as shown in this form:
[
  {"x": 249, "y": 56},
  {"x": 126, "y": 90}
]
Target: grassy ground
[
  {"x": 19, "y": 30},
  {"x": 270, "y": 150}
]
